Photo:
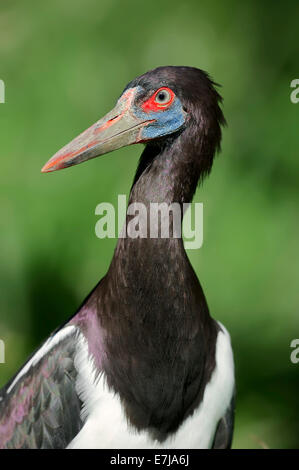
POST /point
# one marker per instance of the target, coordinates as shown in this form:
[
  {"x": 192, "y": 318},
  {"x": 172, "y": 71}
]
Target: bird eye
[
  {"x": 163, "y": 97},
  {"x": 159, "y": 101}
]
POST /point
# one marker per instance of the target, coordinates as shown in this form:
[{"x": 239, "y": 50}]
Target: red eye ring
[{"x": 152, "y": 104}]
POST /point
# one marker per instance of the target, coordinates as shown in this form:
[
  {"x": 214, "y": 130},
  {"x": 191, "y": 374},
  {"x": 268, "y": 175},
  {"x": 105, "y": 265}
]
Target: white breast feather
[{"x": 107, "y": 427}]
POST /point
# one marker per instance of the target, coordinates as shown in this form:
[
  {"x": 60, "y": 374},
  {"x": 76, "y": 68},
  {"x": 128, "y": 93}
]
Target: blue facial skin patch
[{"x": 165, "y": 121}]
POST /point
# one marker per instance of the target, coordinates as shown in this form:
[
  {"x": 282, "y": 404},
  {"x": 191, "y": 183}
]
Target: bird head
[{"x": 153, "y": 108}]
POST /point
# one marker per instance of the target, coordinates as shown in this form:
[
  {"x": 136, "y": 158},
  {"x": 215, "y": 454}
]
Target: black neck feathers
[{"x": 158, "y": 329}]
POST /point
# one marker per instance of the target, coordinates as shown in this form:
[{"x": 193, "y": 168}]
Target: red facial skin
[{"x": 151, "y": 105}]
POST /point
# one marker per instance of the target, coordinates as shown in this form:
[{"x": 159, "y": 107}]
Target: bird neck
[
  {"x": 153, "y": 311},
  {"x": 166, "y": 174},
  {"x": 147, "y": 265}
]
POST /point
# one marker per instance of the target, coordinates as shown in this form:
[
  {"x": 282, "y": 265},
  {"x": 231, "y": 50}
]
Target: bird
[{"x": 141, "y": 364}]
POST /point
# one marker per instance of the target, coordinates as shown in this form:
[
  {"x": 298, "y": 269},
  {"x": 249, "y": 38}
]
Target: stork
[{"x": 141, "y": 364}]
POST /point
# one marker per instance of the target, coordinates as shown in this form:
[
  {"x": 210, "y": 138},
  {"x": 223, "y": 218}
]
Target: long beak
[{"x": 120, "y": 127}]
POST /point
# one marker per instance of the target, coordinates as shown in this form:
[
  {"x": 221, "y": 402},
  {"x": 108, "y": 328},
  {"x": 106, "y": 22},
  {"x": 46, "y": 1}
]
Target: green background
[{"x": 64, "y": 64}]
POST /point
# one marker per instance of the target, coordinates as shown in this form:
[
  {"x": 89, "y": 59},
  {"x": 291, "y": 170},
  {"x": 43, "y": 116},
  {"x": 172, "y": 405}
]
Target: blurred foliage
[{"x": 64, "y": 64}]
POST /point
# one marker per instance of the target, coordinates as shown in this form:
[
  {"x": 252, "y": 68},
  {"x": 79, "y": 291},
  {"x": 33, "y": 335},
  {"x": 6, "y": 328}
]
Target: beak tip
[
  {"x": 45, "y": 169},
  {"x": 52, "y": 165}
]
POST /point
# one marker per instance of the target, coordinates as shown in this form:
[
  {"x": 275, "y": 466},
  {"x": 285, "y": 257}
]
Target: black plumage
[{"x": 147, "y": 322}]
